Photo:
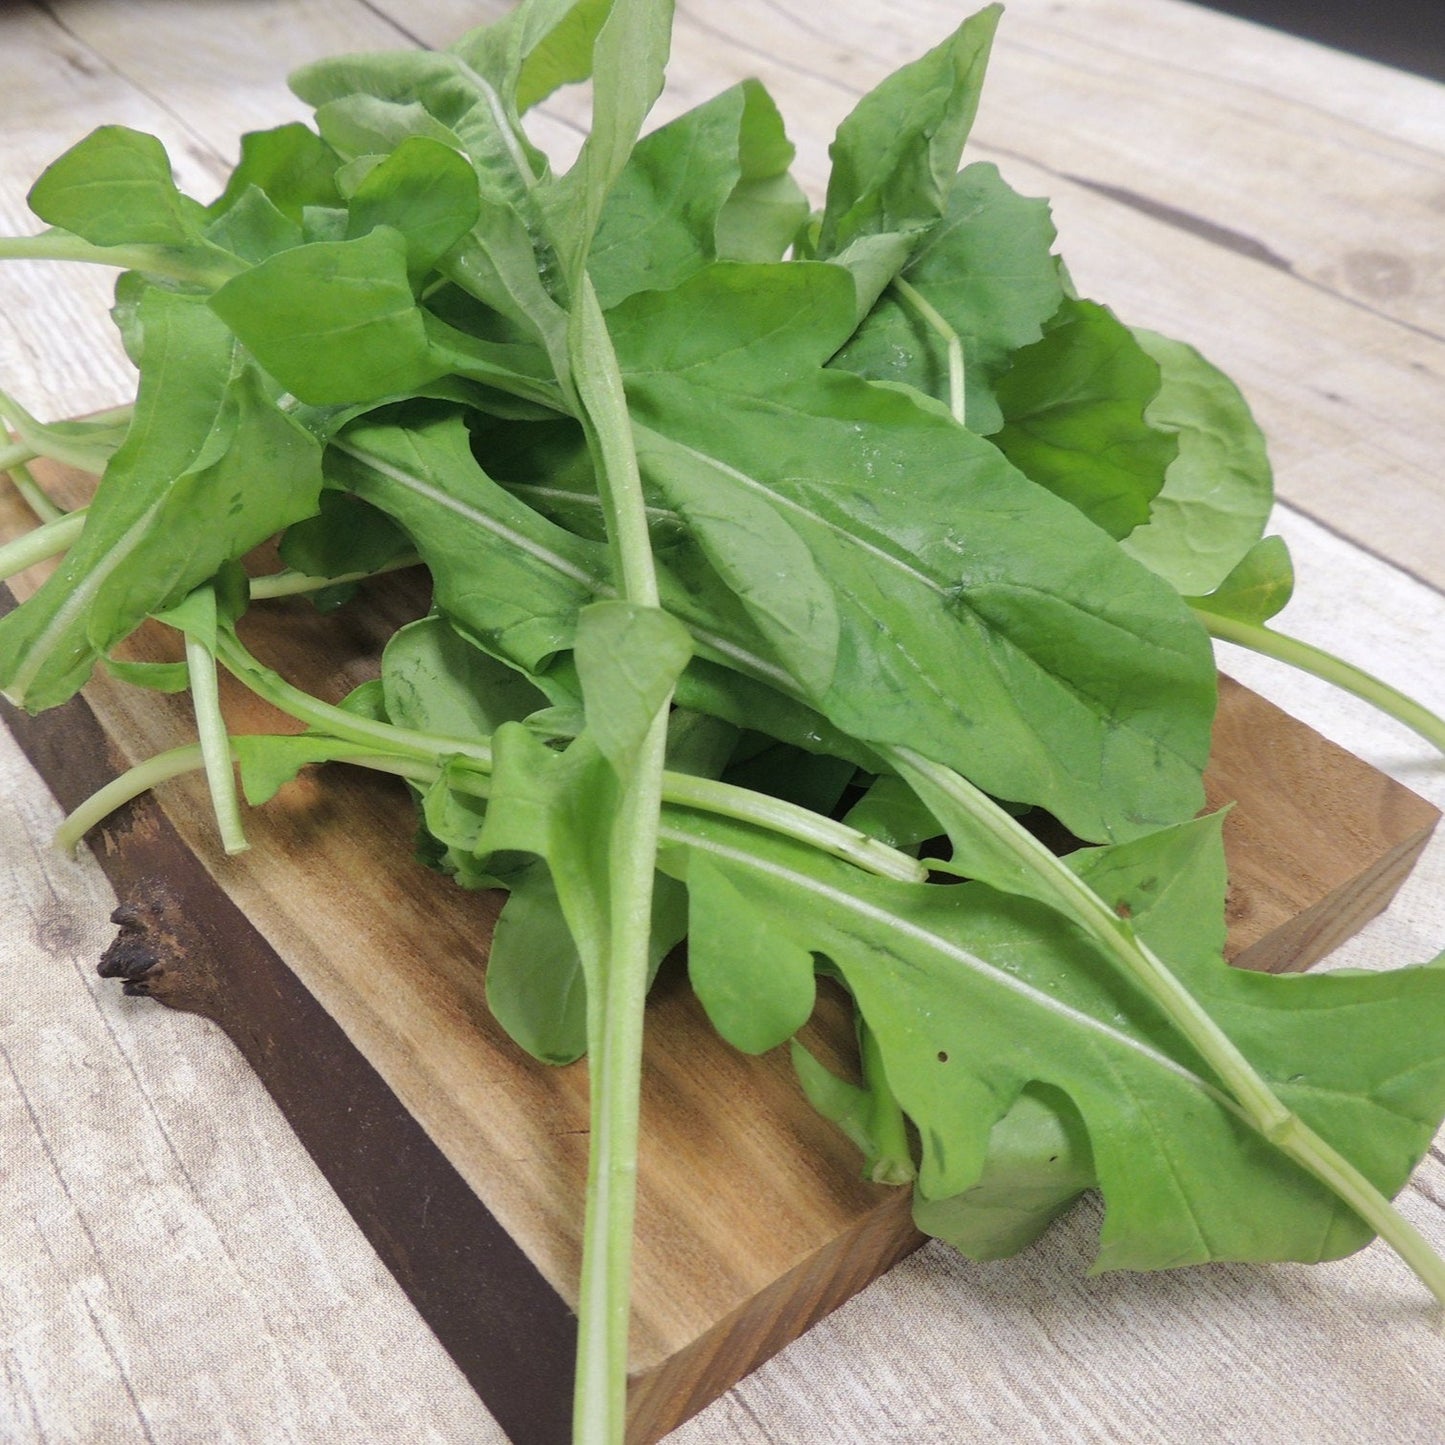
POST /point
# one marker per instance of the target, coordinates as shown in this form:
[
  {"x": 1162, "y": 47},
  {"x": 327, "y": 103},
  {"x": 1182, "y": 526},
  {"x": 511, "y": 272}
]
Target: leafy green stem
[
  {"x": 615, "y": 1009},
  {"x": 683, "y": 790},
  {"x": 981, "y": 821},
  {"x": 290, "y": 583},
  {"x": 929, "y": 314},
  {"x": 215, "y": 743},
  {"x": 85, "y": 443},
  {"x": 49, "y": 539},
  {"x": 170, "y": 262},
  {"x": 598, "y": 382},
  {"x": 336, "y": 721},
  {"x": 33, "y": 494},
  {"x": 176, "y": 762},
  {"x": 16, "y": 454},
  {"x": 128, "y": 786},
  {"x": 1315, "y": 660}
]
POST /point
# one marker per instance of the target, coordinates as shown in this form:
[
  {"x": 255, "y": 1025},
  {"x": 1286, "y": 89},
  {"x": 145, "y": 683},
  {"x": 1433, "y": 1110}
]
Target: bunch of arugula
[{"x": 767, "y": 547}]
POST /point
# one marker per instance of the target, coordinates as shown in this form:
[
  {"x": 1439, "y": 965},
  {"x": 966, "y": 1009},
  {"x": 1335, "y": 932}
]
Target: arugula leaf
[
  {"x": 629, "y": 57},
  {"x": 698, "y": 518},
  {"x": 290, "y": 165},
  {"x": 1074, "y": 408},
  {"x": 510, "y": 578},
  {"x": 1219, "y": 490},
  {"x": 209, "y": 468},
  {"x": 714, "y": 181},
  {"x": 1258, "y": 586},
  {"x": 334, "y": 322},
  {"x": 884, "y": 570},
  {"x": 424, "y": 190},
  {"x": 86, "y": 444},
  {"x": 896, "y": 153},
  {"x": 115, "y": 188},
  {"x": 767, "y": 209},
  {"x": 1037, "y": 1165},
  {"x": 988, "y": 269},
  {"x": 996, "y": 997},
  {"x": 549, "y": 44}
]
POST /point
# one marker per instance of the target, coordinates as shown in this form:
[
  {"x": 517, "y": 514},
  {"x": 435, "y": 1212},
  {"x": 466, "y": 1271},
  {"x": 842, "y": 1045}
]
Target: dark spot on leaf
[
  {"x": 942, "y": 1056},
  {"x": 1122, "y": 909}
]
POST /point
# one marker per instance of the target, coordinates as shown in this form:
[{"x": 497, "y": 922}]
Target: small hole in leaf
[{"x": 942, "y": 1056}]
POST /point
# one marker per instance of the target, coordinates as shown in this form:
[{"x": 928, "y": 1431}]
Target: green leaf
[
  {"x": 893, "y": 813},
  {"x": 660, "y": 219},
  {"x": 1075, "y": 409},
  {"x": 86, "y": 444},
  {"x": 988, "y": 270},
  {"x": 629, "y": 57},
  {"x": 435, "y": 681},
  {"x": 359, "y": 125},
  {"x": 335, "y": 321},
  {"x": 714, "y": 182},
  {"x": 536, "y": 48},
  {"x": 975, "y": 996},
  {"x": 1259, "y": 586},
  {"x": 867, "y": 1114},
  {"x": 753, "y": 978},
  {"x": 628, "y": 661},
  {"x": 813, "y": 780},
  {"x": 767, "y": 208},
  {"x": 210, "y": 467},
  {"x": 345, "y": 536},
  {"x": 425, "y": 191},
  {"x": 896, "y": 154},
  {"x": 253, "y": 228},
  {"x": 506, "y": 575},
  {"x": 875, "y": 545},
  {"x": 290, "y": 165},
  {"x": 1038, "y": 1164},
  {"x": 158, "y": 676},
  {"x": 536, "y": 988},
  {"x": 1218, "y": 492},
  {"x": 115, "y": 188},
  {"x": 268, "y": 761}
]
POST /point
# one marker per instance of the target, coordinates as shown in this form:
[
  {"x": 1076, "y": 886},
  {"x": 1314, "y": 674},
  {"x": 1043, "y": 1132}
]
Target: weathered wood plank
[{"x": 395, "y": 955}]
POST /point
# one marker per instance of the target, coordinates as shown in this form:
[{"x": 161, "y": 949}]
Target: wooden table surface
[{"x": 172, "y": 1269}]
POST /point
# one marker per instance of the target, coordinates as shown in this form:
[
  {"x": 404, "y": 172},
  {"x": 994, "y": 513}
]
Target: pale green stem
[
  {"x": 188, "y": 759},
  {"x": 913, "y": 298},
  {"x": 33, "y": 494},
  {"x": 215, "y": 744},
  {"x": 16, "y": 454},
  {"x": 170, "y": 262},
  {"x": 294, "y": 584},
  {"x": 1330, "y": 668},
  {"x": 336, "y": 721},
  {"x": 615, "y": 1010},
  {"x": 1264, "y": 1110},
  {"x": 119, "y": 791},
  {"x": 65, "y": 441},
  {"x": 791, "y": 821},
  {"x": 49, "y": 539},
  {"x": 682, "y": 790}
]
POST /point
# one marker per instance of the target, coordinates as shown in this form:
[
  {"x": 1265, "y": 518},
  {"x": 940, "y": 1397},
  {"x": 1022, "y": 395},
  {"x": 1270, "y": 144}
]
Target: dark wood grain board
[{"x": 352, "y": 980}]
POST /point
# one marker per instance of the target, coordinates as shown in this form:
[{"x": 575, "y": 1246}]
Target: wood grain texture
[
  {"x": 752, "y": 1220},
  {"x": 1202, "y": 171},
  {"x": 1348, "y": 382}
]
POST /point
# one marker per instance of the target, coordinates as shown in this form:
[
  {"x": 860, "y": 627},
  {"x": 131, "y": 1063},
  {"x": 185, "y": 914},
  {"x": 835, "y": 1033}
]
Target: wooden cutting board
[{"x": 352, "y": 980}]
